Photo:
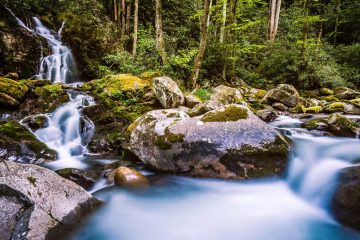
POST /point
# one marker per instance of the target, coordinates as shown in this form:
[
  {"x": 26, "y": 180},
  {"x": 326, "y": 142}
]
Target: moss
[
  {"x": 14, "y": 89},
  {"x": 165, "y": 141},
  {"x": 230, "y": 113},
  {"x": 260, "y": 94},
  {"x": 315, "y": 109},
  {"x": 49, "y": 90},
  {"x": 298, "y": 109},
  {"x": 150, "y": 75},
  {"x": 330, "y": 98},
  {"x": 315, "y": 123},
  {"x": 8, "y": 102},
  {"x": 326, "y": 92},
  {"x": 32, "y": 180},
  {"x": 334, "y": 107}
]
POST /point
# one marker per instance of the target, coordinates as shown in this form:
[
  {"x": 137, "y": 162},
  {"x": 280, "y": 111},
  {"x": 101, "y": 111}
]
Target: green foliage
[{"x": 203, "y": 93}]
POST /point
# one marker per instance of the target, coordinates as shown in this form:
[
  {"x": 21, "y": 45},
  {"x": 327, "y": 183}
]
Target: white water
[
  {"x": 59, "y": 65},
  {"x": 294, "y": 207}
]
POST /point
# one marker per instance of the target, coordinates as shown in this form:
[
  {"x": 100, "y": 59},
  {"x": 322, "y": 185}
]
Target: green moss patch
[{"x": 230, "y": 113}]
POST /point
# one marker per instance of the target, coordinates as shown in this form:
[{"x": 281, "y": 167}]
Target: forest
[{"x": 180, "y": 120}]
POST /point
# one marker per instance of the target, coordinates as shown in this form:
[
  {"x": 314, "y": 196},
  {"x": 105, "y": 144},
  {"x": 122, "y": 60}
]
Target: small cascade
[{"x": 68, "y": 132}]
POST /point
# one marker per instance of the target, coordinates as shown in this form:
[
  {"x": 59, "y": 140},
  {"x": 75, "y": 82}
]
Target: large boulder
[
  {"x": 226, "y": 95},
  {"x": 167, "y": 92},
  {"x": 284, "y": 93},
  {"x": 36, "y": 203},
  {"x": 230, "y": 143},
  {"x": 346, "y": 93},
  {"x": 18, "y": 144},
  {"x": 343, "y": 126},
  {"x": 345, "y": 203},
  {"x": 11, "y": 93}
]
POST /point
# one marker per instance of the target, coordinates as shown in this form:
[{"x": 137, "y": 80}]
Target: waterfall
[{"x": 67, "y": 131}]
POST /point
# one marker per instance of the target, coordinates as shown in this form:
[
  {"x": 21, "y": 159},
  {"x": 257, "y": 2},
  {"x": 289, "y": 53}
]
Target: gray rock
[
  {"x": 279, "y": 106},
  {"x": 285, "y": 94},
  {"x": 230, "y": 142},
  {"x": 167, "y": 92},
  {"x": 346, "y": 93},
  {"x": 205, "y": 107},
  {"x": 192, "y": 100},
  {"x": 39, "y": 204},
  {"x": 226, "y": 95}
]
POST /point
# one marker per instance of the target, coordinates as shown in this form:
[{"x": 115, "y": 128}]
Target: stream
[{"x": 294, "y": 206}]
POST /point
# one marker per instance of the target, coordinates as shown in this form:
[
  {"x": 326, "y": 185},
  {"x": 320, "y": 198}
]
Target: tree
[
  {"x": 136, "y": 24},
  {"x": 275, "y": 6},
  {"x": 160, "y": 43},
  {"x": 223, "y": 24},
  {"x": 204, "y": 27}
]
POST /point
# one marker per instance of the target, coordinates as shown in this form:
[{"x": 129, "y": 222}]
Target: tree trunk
[
  {"x": 337, "y": 20},
  {"x": 136, "y": 23},
  {"x": 274, "y": 18},
  {"x": 160, "y": 44},
  {"x": 115, "y": 11},
  {"x": 203, "y": 39},
  {"x": 128, "y": 16},
  {"x": 222, "y": 30},
  {"x": 123, "y": 11}
]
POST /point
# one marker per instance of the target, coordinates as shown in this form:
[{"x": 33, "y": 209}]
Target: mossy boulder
[
  {"x": 14, "y": 89},
  {"x": 343, "y": 126},
  {"x": 230, "y": 143},
  {"x": 326, "y": 92},
  {"x": 205, "y": 107},
  {"x": 83, "y": 178},
  {"x": 346, "y": 93},
  {"x": 298, "y": 109},
  {"x": 18, "y": 144},
  {"x": 226, "y": 95},
  {"x": 279, "y": 106},
  {"x": 8, "y": 102},
  {"x": 260, "y": 93},
  {"x": 167, "y": 92},
  {"x": 319, "y": 124},
  {"x": 283, "y": 93},
  {"x": 150, "y": 75},
  {"x": 330, "y": 98},
  {"x": 334, "y": 107},
  {"x": 315, "y": 109},
  {"x": 36, "y": 122}
]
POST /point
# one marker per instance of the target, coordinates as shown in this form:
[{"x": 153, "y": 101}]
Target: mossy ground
[{"x": 230, "y": 113}]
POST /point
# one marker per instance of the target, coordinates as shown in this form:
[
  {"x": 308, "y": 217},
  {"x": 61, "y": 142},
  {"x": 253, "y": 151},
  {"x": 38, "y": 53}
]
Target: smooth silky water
[{"x": 294, "y": 207}]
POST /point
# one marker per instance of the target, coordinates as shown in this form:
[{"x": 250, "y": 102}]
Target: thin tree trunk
[
  {"x": 128, "y": 16},
  {"x": 123, "y": 12},
  {"x": 203, "y": 39},
  {"x": 222, "y": 30},
  {"x": 136, "y": 23},
  {"x": 277, "y": 18},
  {"x": 115, "y": 11},
  {"x": 160, "y": 43},
  {"x": 337, "y": 20}
]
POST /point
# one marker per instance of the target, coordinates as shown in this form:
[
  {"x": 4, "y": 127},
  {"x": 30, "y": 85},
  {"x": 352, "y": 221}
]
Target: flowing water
[{"x": 292, "y": 207}]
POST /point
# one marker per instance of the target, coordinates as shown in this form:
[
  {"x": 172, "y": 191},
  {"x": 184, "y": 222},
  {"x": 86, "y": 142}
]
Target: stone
[
  {"x": 13, "y": 88},
  {"x": 36, "y": 122},
  {"x": 229, "y": 143},
  {"x": 334, "y": 107},
  {"x": 226, "y": 95},
  {"x": 8, "y": 102},
  {"x": 267, "y": 115},
  {"x": 84, "y": 178},
  {"x": 315, "y": 109},
  {"x": 205, "y": 107},
  {"x": 279, "y": 106},
  {"x": 192, "y": 100},
  {"x": 346, "y": 93},
  {"x": 18, "y": 144},
  {"x": 326, "y": 92},
  {"x": 283, "y": 93},
  {"x": 343, "y": 126},
  {"x": 39, "y": 204},
  {"x": 345, "y": 202},
  {"x": 167, "y": 92},
  {"x": 12, "y": 75},
  {"x": 129, "y": 177}
]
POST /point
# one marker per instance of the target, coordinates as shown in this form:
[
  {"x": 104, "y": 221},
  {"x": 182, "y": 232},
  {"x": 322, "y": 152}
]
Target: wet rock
[
  {"x": 326, "y": 92},
  {"x": 346, "y": 93},
  {"x": 315, "y": 109},
  {"x": 83, "y": 178},
  {"x": 334, "y": 107},
  {"x": 267, "y": 115},
  {"x": 319, "y": 124},
  {"x": 39, "y": 204},
  {"x": 343, "y": 126},
  {"x": 285, "y": 94},
  {"x": 32, "y": 84},
  {"x": 36, "y": 122},
  {"x": 230, "y": 142},
  {"x": 226, "y": 95},
  {"x": 129, "y": 177},
  {"x": 345, "y": 202},
  {"x": 12, "y": 75},
  {"x": 192, "y": 100},
  {"x": 18, "y": 144},
  {"x": 279, "y": 106},
  {"x": 167, "y": 92}
]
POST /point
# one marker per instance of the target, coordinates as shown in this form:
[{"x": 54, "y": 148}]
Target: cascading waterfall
[{"x": 67, "y": 131}]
